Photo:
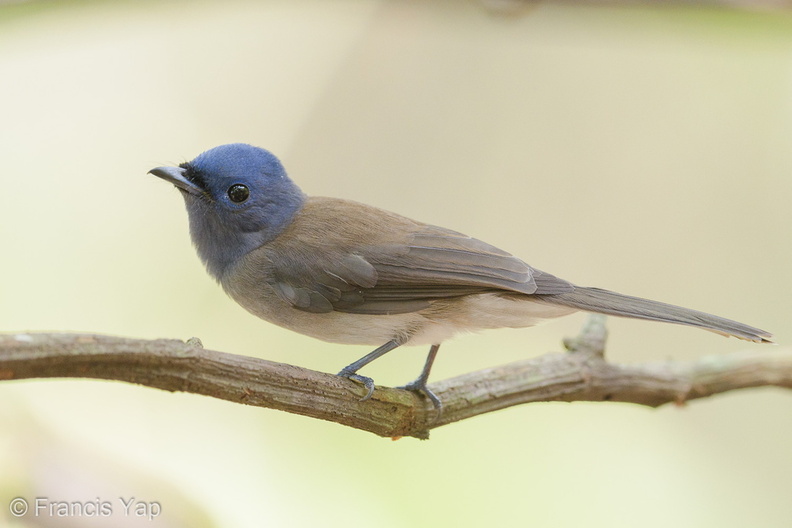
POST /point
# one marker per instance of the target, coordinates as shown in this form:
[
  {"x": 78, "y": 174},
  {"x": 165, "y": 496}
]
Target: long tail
[{"x": 611, "y": 303}]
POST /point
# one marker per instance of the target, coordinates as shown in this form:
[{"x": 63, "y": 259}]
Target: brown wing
[{"x": 350, "y": 257}]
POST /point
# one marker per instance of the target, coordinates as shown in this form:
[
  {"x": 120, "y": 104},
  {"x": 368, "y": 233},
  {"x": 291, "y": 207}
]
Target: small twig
[{"x": 582, "y": 375}]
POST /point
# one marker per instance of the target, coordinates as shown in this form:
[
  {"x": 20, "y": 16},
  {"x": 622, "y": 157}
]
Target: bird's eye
[{"x": 238, "y": 193}]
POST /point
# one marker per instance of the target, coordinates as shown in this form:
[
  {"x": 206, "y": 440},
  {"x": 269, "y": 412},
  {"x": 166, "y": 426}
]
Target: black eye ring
[{"x": 238, "y": 193}]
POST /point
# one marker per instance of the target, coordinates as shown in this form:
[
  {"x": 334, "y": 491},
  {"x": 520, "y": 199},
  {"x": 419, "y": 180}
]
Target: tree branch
[{"x": 581, "y": 374}]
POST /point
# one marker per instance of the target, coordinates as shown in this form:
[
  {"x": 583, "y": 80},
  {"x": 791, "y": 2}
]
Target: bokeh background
[{"x": 640, "y": 149}]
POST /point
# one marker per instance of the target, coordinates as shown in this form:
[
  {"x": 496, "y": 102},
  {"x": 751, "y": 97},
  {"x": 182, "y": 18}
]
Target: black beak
[{"x": 176, "y": 175}]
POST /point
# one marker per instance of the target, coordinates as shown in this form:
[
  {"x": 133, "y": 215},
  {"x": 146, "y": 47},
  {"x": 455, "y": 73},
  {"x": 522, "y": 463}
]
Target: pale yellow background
[{"x": 641, "y": 150}]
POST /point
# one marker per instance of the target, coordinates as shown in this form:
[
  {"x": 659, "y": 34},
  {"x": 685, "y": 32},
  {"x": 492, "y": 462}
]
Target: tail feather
[{"x": 612, "y": 303}]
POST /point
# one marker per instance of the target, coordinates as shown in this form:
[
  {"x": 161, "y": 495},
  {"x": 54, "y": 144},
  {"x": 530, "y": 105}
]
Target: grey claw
[
  {"x": 418, "y": 386},
  {"x": 365, "y": 380}
]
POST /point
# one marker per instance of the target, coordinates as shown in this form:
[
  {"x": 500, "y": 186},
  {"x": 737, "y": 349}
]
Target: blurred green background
[{"x": 638, "y": 149}]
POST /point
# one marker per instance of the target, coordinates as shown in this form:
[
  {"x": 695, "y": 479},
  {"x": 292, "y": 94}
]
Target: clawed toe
[
  {"x": 365, "y": 380},
  {"x": 420, "y": 387}
]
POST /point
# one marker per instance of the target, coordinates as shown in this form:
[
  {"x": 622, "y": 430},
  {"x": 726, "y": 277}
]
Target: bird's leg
[
  {"x": 419, "y": 384},
  {"x": 350, "y": 371}
]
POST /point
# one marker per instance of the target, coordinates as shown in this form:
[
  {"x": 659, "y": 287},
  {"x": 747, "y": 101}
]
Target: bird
[{"x": 346, "y": 272}]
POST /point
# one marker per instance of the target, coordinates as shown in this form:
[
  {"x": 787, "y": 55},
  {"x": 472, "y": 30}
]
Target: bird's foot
[
  {"x": 365, "y": 380},
  {"x": 419, "y": 386}
]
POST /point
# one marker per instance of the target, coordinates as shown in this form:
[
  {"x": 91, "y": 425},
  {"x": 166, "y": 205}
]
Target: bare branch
[{"x": 581, "y": 374}]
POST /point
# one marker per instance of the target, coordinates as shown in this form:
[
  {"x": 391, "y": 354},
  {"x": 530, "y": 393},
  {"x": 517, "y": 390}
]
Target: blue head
[{"x": 238, "y": 198}]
